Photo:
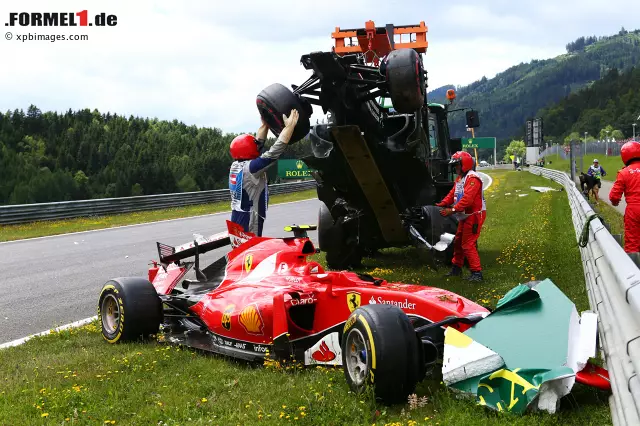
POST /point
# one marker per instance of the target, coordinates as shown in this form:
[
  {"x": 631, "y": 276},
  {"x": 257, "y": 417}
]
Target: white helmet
[{"x": 595, "y": 160}]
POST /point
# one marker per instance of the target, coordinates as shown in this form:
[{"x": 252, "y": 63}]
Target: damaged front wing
[{"x": 526, "y": 354}]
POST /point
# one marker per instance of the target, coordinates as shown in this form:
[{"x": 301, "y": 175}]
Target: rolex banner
[
  {"x": 524, "y": 355},
  {"x": 293, "y": 169}
]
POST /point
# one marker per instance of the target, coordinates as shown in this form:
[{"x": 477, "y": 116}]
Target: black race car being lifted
[{"x": 380, "y": 168}]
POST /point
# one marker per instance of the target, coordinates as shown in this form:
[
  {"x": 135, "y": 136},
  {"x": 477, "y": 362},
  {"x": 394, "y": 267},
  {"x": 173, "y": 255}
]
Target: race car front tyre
[
  {"x": 381, "y": 349},
  {"x": 405, "y": 77},
  {"x": 129, "y": 309},
  {"x": 276, "y": 100}
]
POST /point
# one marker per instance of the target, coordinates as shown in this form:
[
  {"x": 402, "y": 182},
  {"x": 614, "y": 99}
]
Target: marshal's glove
[{"x": 446, "y": 212}]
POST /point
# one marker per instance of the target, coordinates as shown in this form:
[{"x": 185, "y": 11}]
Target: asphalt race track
[{"x": 52, "y": 281}]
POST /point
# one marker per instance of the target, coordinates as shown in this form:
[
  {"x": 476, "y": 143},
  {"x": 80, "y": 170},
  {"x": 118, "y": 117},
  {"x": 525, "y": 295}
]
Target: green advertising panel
[
  {"x": 478, "y": 143},
  {"x": 293, "y": 169}
]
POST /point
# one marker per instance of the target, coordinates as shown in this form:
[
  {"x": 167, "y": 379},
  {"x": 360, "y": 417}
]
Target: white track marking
[
  {"x": 488, "y": 177},
  {"x": 62, "y": 327}
]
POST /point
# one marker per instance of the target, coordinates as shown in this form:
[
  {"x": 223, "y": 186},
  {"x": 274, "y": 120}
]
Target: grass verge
[
  {"x": 74, "y": 377},
  {"x": 611, "y": 165},
  {"x": 46, "y": 228}
]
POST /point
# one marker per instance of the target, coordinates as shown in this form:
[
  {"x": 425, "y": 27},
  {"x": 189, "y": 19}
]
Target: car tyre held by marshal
[
  {"x": 276, "y": 100},
  {"x": 380, "y": 349},
  {"x": 128, "y": 309}
]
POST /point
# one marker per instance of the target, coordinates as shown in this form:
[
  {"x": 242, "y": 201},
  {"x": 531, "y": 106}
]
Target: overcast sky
[{"x": 204, "y": 62}]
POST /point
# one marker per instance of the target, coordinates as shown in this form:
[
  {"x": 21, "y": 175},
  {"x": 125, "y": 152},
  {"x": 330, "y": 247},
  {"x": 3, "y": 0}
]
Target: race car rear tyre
[
  {"x": 349, "y": 256},
  {"x": 276, "y": 100},
  {"x": 342, "y": 252},
  {"x": 405, "y": 77},
  {"x": 329, "y": 236},
  {"x": 128, "y": 309},
  {"x": 380, "y": 349},
  {"x": 448, "y": 254}
]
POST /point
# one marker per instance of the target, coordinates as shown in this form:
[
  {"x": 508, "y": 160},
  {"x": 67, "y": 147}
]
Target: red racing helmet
[
  {"x": 464, "y": 158},
  {"x": 630, "y": 151},
  {"x": 244, "y": 147}
]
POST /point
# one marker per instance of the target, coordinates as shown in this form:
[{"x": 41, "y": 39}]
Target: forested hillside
[
  {"x": 440, "y": 93},
  {"x": 86, "y": 154},
  {"x": 613, "y": 101},
  {"x": 506, "y": 101}
]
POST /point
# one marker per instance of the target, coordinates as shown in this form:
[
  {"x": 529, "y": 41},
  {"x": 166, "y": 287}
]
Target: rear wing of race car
[
  {"x": 199, "y": 245},
  {"x": 234, "y": 236}
]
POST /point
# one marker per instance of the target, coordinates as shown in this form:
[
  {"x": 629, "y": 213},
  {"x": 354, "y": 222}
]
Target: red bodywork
[{"x": 271, "y": 289}]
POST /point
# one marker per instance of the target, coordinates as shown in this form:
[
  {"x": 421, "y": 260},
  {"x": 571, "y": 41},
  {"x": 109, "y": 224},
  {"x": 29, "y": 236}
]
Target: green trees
[
  {"x": 609, "y": 132},
  {"x": 515, "y": 148},
  {"x": 88, "y": 154},
  {"x": 572, "y": 137},
  {"x": 611, "y": 105},
  {"x": 507, "y": 100}
]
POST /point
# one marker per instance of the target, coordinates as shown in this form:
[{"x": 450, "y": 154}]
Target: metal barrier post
[{"x": 572, "y": 161}]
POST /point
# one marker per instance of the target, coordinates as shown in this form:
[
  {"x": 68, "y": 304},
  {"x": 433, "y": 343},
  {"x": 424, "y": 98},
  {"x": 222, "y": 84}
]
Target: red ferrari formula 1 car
[{"x": 266, "y": 298}]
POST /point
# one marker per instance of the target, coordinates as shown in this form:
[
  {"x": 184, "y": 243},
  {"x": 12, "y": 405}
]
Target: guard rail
[
  {"x": 612, "y": 280},
  {"x": 23, "y": 213}
]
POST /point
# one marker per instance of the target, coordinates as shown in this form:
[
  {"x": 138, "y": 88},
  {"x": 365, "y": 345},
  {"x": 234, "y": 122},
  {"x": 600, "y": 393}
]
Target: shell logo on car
[{"x": 251, "y": 319}]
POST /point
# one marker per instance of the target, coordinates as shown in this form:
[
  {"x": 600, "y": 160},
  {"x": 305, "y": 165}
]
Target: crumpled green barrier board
[{"x": 530, "y": 331}]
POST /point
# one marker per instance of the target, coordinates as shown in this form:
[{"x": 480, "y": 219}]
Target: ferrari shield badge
[
  {"x": 248, "y": 261},
  {"x": 353, "y": 300}
]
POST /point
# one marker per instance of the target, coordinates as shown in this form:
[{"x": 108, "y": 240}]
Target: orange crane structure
[{"x": 376, "y": 42}]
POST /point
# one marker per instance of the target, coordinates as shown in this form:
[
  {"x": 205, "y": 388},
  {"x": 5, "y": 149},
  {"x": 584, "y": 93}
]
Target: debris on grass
[{"x": 543, "y": 189}]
